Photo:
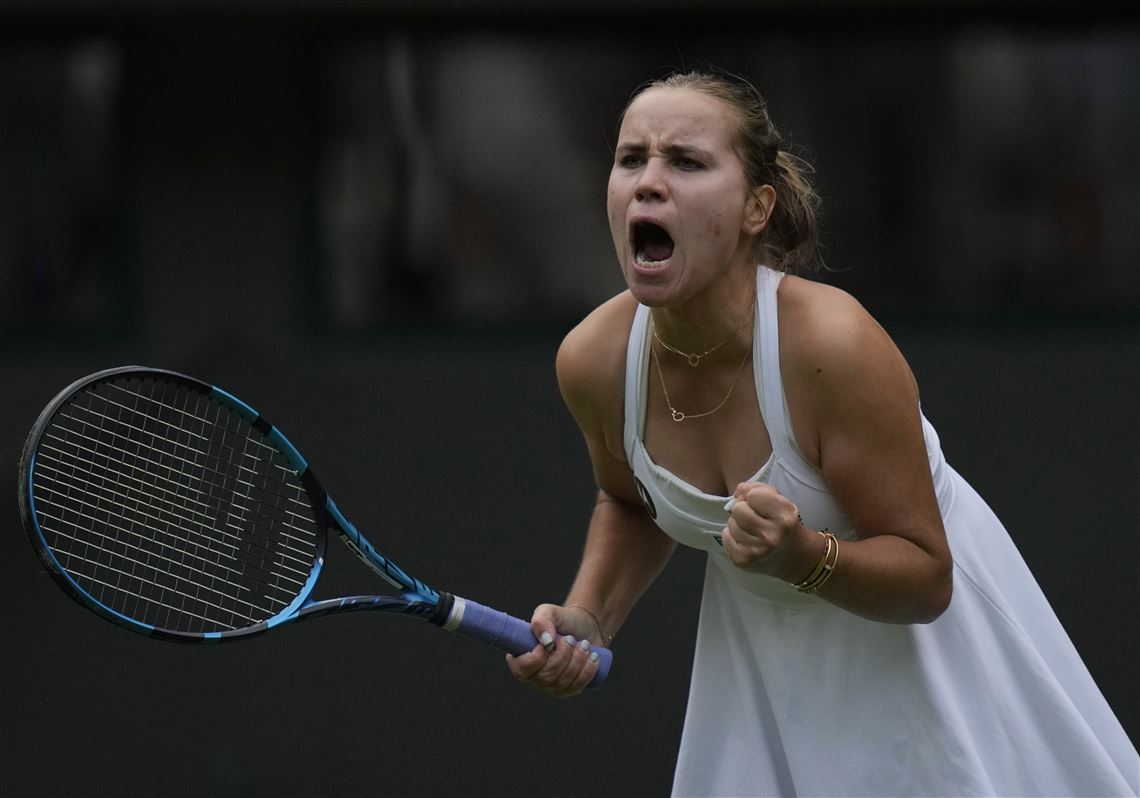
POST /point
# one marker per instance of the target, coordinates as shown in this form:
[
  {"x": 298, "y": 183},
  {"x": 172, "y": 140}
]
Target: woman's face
[{"x": 680, "y": 210}]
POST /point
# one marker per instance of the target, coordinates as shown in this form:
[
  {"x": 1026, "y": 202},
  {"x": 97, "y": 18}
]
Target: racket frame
[{"x": 415, "y": 598}]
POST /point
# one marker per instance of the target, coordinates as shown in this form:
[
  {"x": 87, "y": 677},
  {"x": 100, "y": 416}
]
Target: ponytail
[{"x": 790, "y": 242}]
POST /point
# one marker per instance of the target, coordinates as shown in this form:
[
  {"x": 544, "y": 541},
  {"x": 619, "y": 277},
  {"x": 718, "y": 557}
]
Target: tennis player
[{"x": 867, "y": 626}]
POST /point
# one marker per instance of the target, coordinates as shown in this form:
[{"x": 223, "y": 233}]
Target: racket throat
[{"x": 413, "y": 589}]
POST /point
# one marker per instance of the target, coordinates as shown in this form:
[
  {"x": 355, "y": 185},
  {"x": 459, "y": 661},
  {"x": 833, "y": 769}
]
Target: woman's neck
[{"x": 710, "y": 323}]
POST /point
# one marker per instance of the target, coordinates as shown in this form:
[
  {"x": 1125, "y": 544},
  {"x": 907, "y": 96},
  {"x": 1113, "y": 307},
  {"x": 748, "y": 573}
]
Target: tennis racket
[{"x": 174, "y": 509}]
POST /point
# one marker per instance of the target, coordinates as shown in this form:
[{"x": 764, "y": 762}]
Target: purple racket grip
[{"x": 495, "y": 628}]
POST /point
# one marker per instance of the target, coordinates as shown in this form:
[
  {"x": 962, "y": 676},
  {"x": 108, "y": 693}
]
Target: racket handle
[{"x": 495, "y": 628}]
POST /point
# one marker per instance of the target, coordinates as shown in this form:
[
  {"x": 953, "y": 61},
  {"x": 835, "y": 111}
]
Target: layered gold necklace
[{"x": 694, "y": 360}]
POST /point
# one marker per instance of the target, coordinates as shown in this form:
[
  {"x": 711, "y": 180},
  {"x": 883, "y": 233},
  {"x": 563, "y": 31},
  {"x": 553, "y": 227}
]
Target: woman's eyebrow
[
  {"x": 687, "y": 151},
  {"x": 674, "y": 150}
]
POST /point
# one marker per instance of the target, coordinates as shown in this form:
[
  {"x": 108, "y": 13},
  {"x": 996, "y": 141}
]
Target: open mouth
[{"x": 651, "y": 244}]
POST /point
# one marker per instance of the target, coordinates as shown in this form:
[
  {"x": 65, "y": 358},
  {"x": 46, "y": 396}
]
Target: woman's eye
[
  {"x": 631, "y": 161},
  {"x": 688, "y": 164}
]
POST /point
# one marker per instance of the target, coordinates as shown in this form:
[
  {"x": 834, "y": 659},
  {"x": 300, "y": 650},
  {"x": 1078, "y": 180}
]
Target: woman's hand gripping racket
[{"x": 172, "y": 508}]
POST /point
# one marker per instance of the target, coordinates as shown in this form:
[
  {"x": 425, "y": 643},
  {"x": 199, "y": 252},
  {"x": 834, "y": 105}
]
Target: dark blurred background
[{"x": 375, "y": 221}]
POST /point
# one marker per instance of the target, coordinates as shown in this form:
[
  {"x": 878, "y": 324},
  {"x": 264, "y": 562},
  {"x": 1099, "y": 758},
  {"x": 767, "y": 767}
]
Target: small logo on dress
[
  {"x": 646, "y": 499},
  {"x": 719, "y": 539}
]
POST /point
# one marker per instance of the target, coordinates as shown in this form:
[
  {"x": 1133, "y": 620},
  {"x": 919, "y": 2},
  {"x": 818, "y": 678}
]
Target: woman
[{"x": 867, "y": 626}]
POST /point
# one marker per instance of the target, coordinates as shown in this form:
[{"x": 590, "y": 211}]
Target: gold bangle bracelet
[
  {"x": 819, "y": 566},
  {"x": 828, "y": 568}
]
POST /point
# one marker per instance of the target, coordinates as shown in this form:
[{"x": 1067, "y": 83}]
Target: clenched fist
[{"x": 764, "y": 533}]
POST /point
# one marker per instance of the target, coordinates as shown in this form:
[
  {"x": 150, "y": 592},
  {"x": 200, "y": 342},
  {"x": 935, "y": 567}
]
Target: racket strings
[{"x": 171, "y": 509}]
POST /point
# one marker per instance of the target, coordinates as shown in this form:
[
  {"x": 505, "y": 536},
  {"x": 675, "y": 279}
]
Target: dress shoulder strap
[
  {"x": 636, "y": 372},
  {"x": 769, "y": 381}
]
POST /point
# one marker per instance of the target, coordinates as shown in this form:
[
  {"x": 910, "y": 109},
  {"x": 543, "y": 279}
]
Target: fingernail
[
  {"x": 547, "y": 640},
  {"x": 593, "y": 656},
  {"x": 570, "y": 640},
  {"x": 584, "y": 645}
]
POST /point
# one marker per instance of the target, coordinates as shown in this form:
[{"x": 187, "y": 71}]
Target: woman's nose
[{"x": 651, "y": 184}]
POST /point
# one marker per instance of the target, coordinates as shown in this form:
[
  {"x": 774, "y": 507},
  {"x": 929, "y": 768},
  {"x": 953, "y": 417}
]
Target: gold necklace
[
  {"x": 695, "y": 359},
  {"x": 679, "y": 416}
]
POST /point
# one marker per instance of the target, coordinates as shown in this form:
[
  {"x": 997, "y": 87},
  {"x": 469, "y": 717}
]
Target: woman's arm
[
  {"x": 855, "y": 410},
  {"x": 624, "y": 551},
  {"x": 624, "y": 554}
]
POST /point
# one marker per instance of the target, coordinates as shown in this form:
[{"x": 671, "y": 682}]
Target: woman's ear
[{"x": 758, "y": 210}]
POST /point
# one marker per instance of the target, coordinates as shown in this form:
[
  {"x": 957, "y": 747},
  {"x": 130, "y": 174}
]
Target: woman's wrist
[
  {"x": 809, "y": 549},
  {"x": 824, "y": 566},
  {"x": 604, "y": 637}
]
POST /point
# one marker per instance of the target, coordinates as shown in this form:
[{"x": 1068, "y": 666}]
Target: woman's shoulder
[
  {"x": 591, "y": 364},
  {"x": 592, "y": 355},
  {"x": 829, "y": 340},
  {"x": 821, "y": 320},
  {"x": 803, "y": 299}
]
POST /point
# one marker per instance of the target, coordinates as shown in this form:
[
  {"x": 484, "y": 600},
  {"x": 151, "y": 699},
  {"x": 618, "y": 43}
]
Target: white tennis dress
[{"x": 792, "y": 696}]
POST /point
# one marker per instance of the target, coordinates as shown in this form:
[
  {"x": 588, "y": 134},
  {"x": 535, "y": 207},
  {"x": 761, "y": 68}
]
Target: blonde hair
[{"x": 790, "y": 241}]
